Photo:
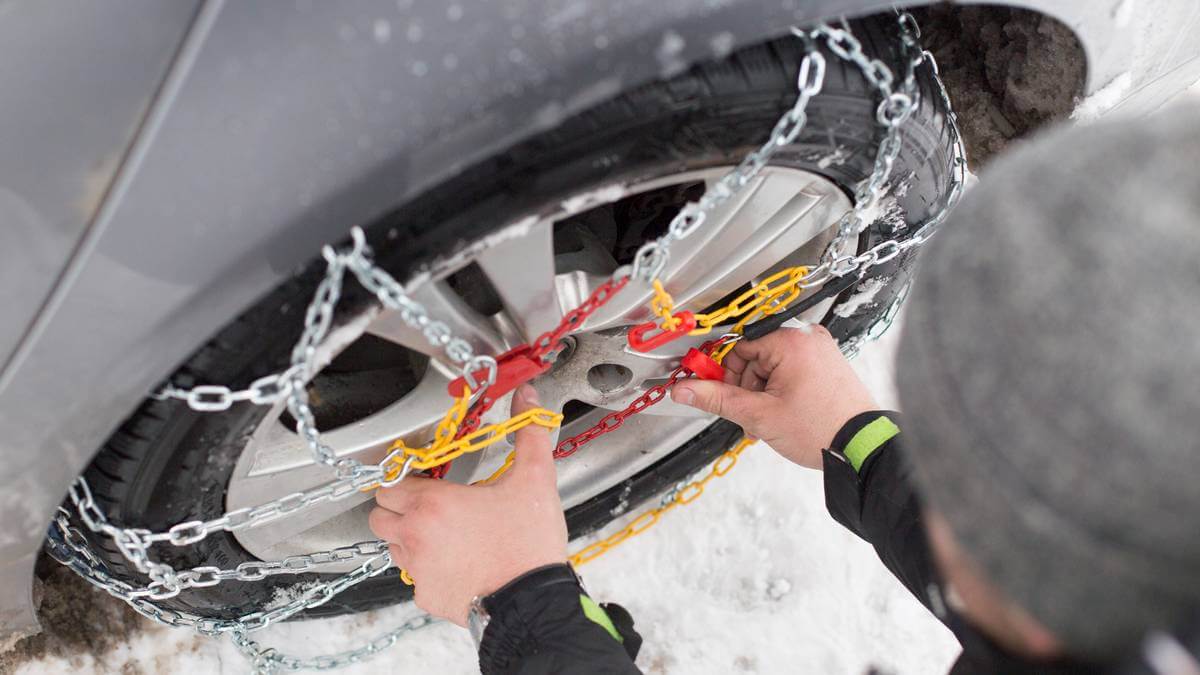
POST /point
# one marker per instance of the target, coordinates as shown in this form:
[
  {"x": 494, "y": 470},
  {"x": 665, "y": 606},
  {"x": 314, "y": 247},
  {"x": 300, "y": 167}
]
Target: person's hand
[
  {"x": 792, "y": 388},
  {"x": 458, "y": 541}
]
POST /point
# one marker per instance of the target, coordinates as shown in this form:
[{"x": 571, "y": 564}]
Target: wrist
[
  {"x": 862, "y": 435},
  {"x": 503, "y": 574},
  {"x": 507, "y": 614},
  {"x": 815, "y": 431}
]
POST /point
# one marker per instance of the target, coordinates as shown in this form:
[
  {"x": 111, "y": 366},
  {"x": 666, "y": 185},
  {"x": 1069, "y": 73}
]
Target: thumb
[
  {"x": 532, "y": 444},
  {"x": 740, "y": 406}
]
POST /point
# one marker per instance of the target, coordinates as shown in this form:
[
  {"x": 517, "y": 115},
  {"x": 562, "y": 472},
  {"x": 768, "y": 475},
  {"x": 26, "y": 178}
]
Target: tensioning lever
[{"x": 773, "y": 321}]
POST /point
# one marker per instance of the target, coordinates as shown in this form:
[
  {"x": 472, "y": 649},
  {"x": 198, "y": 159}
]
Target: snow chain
[{"x": 486, "y": 378}]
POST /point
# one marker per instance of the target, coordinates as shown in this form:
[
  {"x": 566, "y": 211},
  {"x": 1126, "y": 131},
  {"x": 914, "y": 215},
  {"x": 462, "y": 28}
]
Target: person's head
[{"x": 1050, "y": 376}]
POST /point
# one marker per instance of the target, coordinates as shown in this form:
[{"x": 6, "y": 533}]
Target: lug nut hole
[{"x": 609, "y": 377}]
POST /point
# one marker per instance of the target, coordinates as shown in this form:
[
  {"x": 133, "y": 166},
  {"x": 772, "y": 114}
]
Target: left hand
[{"x": 460, "y": 541}]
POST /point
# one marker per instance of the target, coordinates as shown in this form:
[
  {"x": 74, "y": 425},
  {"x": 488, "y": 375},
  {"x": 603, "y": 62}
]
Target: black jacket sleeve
[
  {"x": 877, "y": 502},
  {"x": 544, "y": 622}
]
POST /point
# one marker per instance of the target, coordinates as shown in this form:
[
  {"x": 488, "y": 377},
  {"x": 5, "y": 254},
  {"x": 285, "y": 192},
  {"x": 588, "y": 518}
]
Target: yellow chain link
[
  {"x": 686, "y": 495},
  {"x": 435, "y": 455},
  {"x": 508, "y": 462},
  {"x": 444, "y": 448},
  {"x": 767, "y": 297},
  {"x": 664, "y": 306},
  {"x": 647, "y": 519}
]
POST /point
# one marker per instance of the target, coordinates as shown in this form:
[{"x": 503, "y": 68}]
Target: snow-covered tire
[{"x": 168, "y": 464}]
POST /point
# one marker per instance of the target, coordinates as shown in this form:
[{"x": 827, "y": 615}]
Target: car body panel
[
  {"x": 280, "y": 125},
  {"x": 60, "y": 156}
]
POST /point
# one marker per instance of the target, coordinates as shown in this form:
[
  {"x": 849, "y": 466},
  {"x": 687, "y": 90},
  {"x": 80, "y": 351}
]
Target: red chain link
[
  {"x": 613, "y": 421},
  {"x": 552, "y": 341},
  {"x": 545, "y": 348}
]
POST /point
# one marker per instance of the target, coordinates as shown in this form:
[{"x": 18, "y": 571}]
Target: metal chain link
[
  {"x": 895, "y": 107},
  {"x": 910, "y": 34},
  {"x": 652, "y": 257},
  {"x": 267, "y": 661},
  {"x": 71, "y": 547}
]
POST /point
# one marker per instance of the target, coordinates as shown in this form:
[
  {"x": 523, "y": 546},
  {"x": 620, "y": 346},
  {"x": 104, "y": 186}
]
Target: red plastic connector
[
  {"x": 514, "y": 368},
  {"x": 638, "y": 341},
  {"x": 703, "y": 365}
]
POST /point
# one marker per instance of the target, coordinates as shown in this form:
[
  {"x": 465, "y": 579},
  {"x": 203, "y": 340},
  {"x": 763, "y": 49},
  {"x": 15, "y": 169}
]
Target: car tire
[{"x": 168, "y": 464}]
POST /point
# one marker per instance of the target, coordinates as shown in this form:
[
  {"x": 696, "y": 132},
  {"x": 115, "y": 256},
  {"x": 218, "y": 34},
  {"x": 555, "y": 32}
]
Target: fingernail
[
  {"x": 683, "y": 394},
  {"x": 529, "y": 394}
]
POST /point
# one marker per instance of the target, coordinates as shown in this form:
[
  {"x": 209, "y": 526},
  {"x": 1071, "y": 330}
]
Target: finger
[
  {"x": 734, "y": 365},
  {"x": 385, "y": 524},
  {"x": 532, "y": 443},
  {"x": 750, "y": 381},
  {"x": 726, "y": 400},
  {"x": 399, "y": 557},
  {"x": 399, "y": 497},
  {"x": 765, "y": 354}
]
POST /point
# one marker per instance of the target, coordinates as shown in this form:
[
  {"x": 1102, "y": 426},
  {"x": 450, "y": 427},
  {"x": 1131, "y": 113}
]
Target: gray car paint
[
  {"x": 73, "y": 98},
  {"x": 279, "y": 125}
]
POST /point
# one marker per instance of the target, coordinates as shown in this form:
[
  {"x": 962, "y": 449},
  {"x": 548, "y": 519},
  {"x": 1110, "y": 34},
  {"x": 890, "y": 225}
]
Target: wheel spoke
[
  {"x": 788, "y": 221},
  {"x": 277, "y": 463},
  {"x": 443, "y": 304},
  {"x": 521, "y": 269},
  {"x": 765, "y": 222}
]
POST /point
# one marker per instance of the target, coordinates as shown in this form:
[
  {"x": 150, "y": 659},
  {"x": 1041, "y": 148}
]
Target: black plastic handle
[{"x": 773, "y": 321}]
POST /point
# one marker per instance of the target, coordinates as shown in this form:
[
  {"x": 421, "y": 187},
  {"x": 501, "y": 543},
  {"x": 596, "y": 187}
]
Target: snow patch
[
  {"x": 582, "y": 202},
  {"x": 382, "y": 30},
  {"x": 549, "y": 115},
  {"x": 670, "y": 54},
  {"x": 570, "y": 13},
  {"x": 1123, "y": 13},
  {"x": 778, "y": 588},
  {"x": 836, "y": 158},
  {"x": 1103, "y": 100},
  {"x": 286, "y": 594},
  {"x": 885, "y": 210},
  {"x": 865, "y": 295},
  {"x": 623, "y": 502},
  {"x": 722, "y": 44},
  {"x": 448, "y": 264}
]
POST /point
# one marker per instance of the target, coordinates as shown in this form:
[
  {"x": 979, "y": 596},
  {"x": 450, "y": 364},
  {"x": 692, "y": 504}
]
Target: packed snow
[
  {"x": 1104, "y": 99},
  {"x": 754, "y": 577}
]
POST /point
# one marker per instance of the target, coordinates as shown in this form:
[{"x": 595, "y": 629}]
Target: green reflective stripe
[
  {"x": 594, "y": 612},
  {"x": 868, "y": 439}
]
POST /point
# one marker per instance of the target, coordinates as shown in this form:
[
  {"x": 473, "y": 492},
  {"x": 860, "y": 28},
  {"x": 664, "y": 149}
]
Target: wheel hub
[{"x": 782, "y": 219}]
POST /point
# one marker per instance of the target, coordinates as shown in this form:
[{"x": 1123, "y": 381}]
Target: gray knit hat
[{"x": 1050, "y": 375}]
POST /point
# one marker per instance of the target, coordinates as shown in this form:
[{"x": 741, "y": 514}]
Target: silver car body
[{"x": 163, "y": 164}]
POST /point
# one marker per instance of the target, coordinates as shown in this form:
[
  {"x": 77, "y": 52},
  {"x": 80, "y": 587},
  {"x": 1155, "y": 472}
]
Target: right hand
[{"x": 792, "y": 388}]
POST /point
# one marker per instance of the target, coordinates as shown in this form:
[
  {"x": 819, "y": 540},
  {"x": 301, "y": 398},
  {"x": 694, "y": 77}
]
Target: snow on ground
[
  {"x": 754, "y": 577},
  {"x": 1104, "y": 99}
]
